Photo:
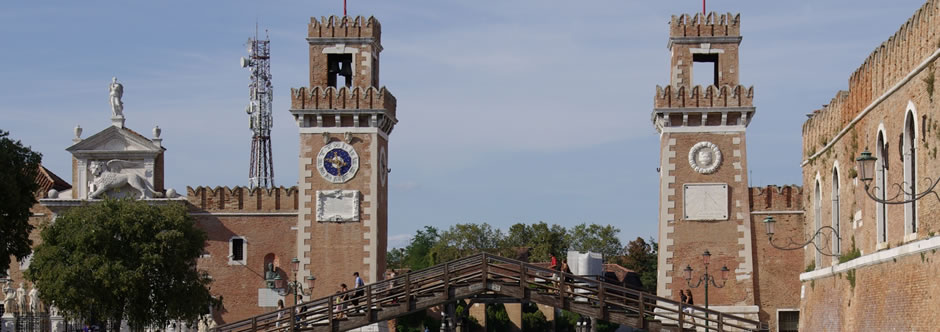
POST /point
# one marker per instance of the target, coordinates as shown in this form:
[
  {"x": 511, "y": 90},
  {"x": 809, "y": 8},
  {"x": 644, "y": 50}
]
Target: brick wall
[
  {"x": 337, "y": 249},
  {"x": 887, "y": 296},
  {"x": 722, "y": 238},
  {"x": 778, "y": 271}
]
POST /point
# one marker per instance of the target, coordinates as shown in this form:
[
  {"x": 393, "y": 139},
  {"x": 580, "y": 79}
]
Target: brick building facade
[
  {"x": 890, "y": 109},
  {"x": 334, "y": 221},
  {"x": 705, "y": 201}
]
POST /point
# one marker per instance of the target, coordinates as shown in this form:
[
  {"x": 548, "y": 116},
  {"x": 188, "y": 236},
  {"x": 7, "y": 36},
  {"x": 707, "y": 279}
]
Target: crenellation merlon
[
  {"x": 345, "y": 27},
  {"x": 712, "y": 25},
  {"x": 709, "y": 96},
  {"x": 243, "y": 199},
  {"x": 776, "y": 198},
  {"x": 330, "y": 98},
  {"x": 888, "y": 63}
]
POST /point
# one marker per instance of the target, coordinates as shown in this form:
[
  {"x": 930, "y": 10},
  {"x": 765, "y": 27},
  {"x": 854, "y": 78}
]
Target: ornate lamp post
[
  {"x": 706, "y": 278},
  {"x": 769, "y": 222},
  {"x": 295, "y": 286},
  {"x": 866, "y": 171}
]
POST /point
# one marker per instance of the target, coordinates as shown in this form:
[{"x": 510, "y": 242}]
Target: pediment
[{"x": 115, "y": 140}]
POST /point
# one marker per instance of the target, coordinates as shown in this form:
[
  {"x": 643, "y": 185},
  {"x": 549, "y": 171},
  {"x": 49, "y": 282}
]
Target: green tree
[
  {"x": 123, "y": 259},
  {"x": 641, "y": 257},
  {"x": 542, "y": 239},
  {"x": 417, "y": 255},
  {"x": 596, "y": 238},
  {"x": 462, "y": 240},
  {"x": 18, "y": 169}
]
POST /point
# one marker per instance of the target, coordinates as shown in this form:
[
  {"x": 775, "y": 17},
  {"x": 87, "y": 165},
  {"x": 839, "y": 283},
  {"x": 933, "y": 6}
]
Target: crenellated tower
[
  {"x": 344, "y": 118},
  {"x": 704, "y": 196}
]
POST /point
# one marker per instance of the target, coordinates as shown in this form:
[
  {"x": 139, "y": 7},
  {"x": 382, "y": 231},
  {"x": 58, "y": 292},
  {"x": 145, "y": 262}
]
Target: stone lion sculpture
[{"x": 107, "y": 176}]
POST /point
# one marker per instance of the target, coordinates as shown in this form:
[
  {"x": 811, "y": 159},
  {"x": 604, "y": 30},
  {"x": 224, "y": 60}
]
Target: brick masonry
[
  {"x": 892, "y": 82},
  {"x": 763, "y": 278}
]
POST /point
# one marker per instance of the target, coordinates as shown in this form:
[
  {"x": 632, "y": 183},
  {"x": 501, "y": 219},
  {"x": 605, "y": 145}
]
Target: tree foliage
[
  {"x": 543, "y": 240},
  {"x": 18, "y": 169},
  {"x": 596, "y": 238},
  {"x": 641, "y": 257},
  {"x": 463, "y": 240},
  {"x": 123, "y": 259}
]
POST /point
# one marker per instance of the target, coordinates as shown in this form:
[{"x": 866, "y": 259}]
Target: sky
[{"x": 509, "y": 111}]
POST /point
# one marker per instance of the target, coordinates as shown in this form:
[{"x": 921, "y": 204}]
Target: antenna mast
[{"x": 261, "y": 93}]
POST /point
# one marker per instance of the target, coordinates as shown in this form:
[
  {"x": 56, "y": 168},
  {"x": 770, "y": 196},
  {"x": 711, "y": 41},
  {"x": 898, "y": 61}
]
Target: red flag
[
  {"x": 703, "y": 7},
  {"x": 344, "y": 7}
]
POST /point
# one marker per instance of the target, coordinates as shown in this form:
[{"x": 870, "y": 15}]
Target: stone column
[
  {"x": 478, "y": 312},
  {"x": 514, "y": 310}
]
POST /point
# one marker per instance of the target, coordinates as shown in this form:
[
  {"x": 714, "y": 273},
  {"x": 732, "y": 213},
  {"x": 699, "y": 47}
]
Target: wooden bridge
[{"x": 489, "y": 275}]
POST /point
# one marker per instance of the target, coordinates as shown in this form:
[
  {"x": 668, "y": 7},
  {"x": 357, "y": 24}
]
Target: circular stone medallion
[
  {"x": 704, "y": 157},
  {"x": 337, "y": 162}
]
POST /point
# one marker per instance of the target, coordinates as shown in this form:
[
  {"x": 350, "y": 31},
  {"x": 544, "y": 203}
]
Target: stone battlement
[
  {"x": 242, "y": 199},
  {"x": 890, "y": 62},
  {"x": 330, "y": 98},
  {"x": 345, "y": 27},
  {"x": 712, "y": 25},
  {"x": 776, "y": 198},
  {"x": 709, "y": 96}
]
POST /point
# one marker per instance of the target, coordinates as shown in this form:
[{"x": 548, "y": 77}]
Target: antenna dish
[{"x": 244, "y": 62}]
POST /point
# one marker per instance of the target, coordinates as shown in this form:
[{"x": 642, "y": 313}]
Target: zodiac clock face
[{"x": 337, "y": 162}]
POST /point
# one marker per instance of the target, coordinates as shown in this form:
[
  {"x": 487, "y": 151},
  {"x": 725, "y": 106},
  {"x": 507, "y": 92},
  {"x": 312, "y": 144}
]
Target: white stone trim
[
  {"x": 665, "y": 218},
  {"x": 725, "y": 129},
  {"x": 373, "y": 220},
  {"x": 231, "y": 251},
  {"x": 235, "y": 214},
  {"x": 304, "y": 210},
  {"x": 874, "y": 258},
  {"x": 343, "y": 130},
  {"x": 910, "y": 171},
  {"x": 897, "y": 86},
  {"x": 777, "y": 212}
]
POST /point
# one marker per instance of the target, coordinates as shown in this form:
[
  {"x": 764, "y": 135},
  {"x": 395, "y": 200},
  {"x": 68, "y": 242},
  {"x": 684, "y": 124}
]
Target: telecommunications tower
[{"x": 261, "y": 170}]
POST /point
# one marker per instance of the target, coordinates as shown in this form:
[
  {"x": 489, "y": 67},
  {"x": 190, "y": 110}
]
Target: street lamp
[
  {"x": 295, "y": 286},
  {"x": 866, "y": 171},
  {"x": 769, "y": 222},
  {"x": 706, "y": 277}
]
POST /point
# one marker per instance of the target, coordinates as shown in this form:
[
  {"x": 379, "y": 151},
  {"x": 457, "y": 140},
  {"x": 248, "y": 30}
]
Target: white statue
[
  {"x": 21, "y": 299},
  {"x": 9, "y": 301},
  {"x": 34, "y": 300},
  {"x": 116, "y": 92},
  {"x": 107, "y": 176}
]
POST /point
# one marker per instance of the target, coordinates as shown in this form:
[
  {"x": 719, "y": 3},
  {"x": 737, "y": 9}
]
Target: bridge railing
[{"x": 487, "y": 273}]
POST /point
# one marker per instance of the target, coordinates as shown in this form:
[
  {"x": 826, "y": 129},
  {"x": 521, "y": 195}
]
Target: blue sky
[{"x": 510, "y": 111}]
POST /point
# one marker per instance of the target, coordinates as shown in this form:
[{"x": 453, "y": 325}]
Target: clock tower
[
  {"x": 345, "y": 118},
  {"x": 704, "y": 202}
]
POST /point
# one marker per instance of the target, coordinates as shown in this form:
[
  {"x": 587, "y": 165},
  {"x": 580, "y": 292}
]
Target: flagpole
[
  {"x": 344, "y": 7},
  {"x": 703, "y": 7}
]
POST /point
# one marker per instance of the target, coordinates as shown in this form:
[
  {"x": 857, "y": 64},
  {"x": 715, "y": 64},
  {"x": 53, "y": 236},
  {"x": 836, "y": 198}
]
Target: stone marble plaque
[
  {"x": 337, "y": 205},
  {"x": 705, "y": 201}
]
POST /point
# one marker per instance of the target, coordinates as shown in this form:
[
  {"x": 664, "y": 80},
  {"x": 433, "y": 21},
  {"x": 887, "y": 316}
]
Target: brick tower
[
  {"x": 344, "y": 118},
  {"x": 704, "y": 201}
]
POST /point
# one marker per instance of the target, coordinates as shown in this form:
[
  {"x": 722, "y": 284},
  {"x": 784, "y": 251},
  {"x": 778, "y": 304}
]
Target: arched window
[
  {"x": 881, "y": 187},
  {"x": 817, "y": 218},
  {"x": 836, "y": 246},
  {"x": 910, "y": 176}
]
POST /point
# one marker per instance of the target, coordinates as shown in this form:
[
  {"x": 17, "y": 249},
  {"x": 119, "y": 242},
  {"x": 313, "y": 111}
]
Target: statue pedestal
[
  {"x": 117, "y": 121},
  {"x": 8, "y": 322},
  {"x": 58, "y": 323}
]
